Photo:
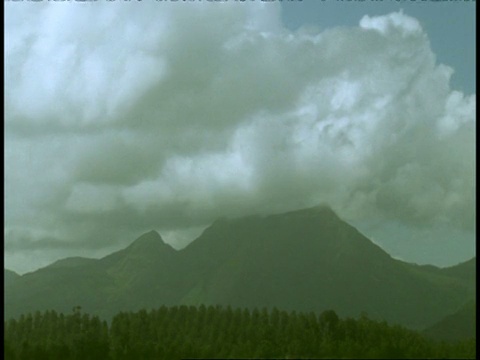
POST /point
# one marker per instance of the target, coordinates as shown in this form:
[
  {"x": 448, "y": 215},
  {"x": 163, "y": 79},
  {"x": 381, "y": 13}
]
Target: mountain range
[{"x": 304, "y": 260}]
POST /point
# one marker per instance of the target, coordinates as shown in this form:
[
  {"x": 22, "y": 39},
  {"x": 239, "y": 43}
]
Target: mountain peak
[
  {"x": 9, "y": 276},
  {"x": 11, "y": 273},
  {"x": 148, "y": 241},
  {"x": 322, "y": 261},
  {"x": 321, "y": 210},
  {"x": 152, "y": 234}
]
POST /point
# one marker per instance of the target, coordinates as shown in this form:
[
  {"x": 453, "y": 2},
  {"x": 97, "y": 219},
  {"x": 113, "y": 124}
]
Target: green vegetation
[
  {"x": 457, "y": 326},
  {"x": 214, "y": 332}
]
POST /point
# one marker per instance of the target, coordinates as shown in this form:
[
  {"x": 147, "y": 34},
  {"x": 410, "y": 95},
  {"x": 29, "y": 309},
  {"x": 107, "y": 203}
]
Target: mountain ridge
[
  {"x": 305, "y": 260},
  {"x": 9, "y": 276}
]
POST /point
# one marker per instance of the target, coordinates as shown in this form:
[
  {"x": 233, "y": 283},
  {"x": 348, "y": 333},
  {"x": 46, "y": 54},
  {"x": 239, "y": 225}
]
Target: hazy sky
[{"x": 125, "y": 117}]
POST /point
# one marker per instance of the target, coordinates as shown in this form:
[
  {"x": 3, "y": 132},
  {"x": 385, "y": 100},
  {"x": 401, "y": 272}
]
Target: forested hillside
[{"x": 214, "y": 332}]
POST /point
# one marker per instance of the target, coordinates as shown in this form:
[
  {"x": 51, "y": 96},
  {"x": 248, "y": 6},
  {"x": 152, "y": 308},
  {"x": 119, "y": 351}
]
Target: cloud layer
[{"x": 125, "y": 117}]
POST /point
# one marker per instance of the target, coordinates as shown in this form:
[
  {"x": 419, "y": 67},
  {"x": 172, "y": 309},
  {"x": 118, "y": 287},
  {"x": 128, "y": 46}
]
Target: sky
[{"x": 123, "y": 117}]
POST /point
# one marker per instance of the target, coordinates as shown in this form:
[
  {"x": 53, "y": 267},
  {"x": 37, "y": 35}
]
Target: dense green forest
[{"x": 216, "y": 332}]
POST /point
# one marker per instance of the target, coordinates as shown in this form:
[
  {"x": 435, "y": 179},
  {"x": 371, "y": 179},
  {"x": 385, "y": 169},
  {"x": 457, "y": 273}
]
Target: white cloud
[
  {"x": 129, "y": 117},
  {"x": 394, "y": 23}
]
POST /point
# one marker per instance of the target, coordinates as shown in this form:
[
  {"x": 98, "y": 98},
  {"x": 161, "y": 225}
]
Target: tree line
[{"x": 183, "y": 332}]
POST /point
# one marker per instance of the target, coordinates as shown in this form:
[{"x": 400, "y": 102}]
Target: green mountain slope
[
  {"x": 305, "y": 260},
  {"x": 143, "y": 275},
  {"x": 130, "y": 279},
  {"x": 457, "y": 326},
  {"x": 9, "y": 276},
  {"x": 310, "y": 260}
]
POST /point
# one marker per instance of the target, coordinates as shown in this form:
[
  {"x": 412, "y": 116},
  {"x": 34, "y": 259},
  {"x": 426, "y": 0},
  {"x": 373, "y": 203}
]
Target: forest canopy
[{"x": 182, "y": 332}]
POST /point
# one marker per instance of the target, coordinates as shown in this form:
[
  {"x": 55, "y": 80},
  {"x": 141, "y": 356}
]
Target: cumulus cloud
[{"x": 125, "y": 117}]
